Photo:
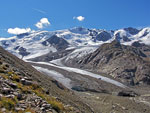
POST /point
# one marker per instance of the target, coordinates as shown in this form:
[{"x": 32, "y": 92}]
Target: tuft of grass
[
  {"x": 10, "y": 73},
  {"x": 15, "y": 78},
  {"x": 4, "y": 76},
  {"x": 2, "y": 70},
  {"x": 7, "y": 103},
  {"x": 35, "y": 86},
  {"x": 58, "y": 106},
  {"x": 29, "y": 110}
]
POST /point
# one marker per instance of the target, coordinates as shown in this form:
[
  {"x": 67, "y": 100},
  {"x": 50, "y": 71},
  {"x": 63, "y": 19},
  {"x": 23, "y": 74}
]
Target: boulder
[
  {"x": 26, "y": 82},
  {"x": 13, "y": 85},
  {"x": 127, "y": 94},
  {"x": 6, "y": 91}
]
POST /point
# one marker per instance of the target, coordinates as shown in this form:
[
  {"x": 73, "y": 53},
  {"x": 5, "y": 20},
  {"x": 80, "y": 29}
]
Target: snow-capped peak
[{"x": 37, "y": 43}]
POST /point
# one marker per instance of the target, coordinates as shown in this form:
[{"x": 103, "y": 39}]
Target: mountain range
[
  {"x": 31, "y": 45},
  {"x": 92, "y": 67}
]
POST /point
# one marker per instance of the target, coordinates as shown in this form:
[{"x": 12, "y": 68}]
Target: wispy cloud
[
  {"x": 44, "y": 22},
  {"x": 79, "y": 18},
  {"x": 39, "y": 10}
]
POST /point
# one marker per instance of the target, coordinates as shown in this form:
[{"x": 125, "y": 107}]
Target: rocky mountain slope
[
  {"x": 125, "y": 63},
  {"x": 23, "y": 89}
]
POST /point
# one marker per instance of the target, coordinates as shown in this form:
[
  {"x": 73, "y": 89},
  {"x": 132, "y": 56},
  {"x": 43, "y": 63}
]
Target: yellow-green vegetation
[
  {"x": 29, "y": 110},
  {"x": 4, "y": 66},
  {"x": 10, "y": 73},
  {"x": 24, "y": 89},
  {"x": 4, "y": 76},
  {"x": 2, "y": 70},
  {"x": 58, "y": 106},
  {"x": 34, "y": 88},
  {"x": 8, "y": 103},
  {"x": 15, "y": 78}
]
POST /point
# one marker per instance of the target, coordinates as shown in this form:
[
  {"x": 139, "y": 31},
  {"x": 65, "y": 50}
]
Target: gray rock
[
  {"x": 3, "y": 109},
  {"x": 13, "y": 85},
  {"x": 6, "y": 91},
  {"x": 42, "y": 108},
  {"x": 19, "y": 96},
  {"x": 46, "y": 106},
  {"x": 10, "y": 96},
  {"x": 26, "y": 82},
  {"x": 127, "y": 94}
]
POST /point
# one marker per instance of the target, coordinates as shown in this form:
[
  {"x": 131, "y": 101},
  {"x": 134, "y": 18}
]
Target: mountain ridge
[{"x": 20, "y": 45}]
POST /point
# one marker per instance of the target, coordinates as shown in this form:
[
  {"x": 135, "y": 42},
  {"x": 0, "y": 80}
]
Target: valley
[{"x": 101, "y": 96}]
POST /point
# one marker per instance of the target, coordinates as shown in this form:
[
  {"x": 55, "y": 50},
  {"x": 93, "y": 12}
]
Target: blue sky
[{"x": 61, "y": 14}]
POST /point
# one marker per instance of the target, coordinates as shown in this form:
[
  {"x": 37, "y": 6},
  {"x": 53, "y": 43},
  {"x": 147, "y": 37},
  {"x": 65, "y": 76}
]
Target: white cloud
[
  {"x": 39, "y": 10},
  {"x": 42, "y": 23},
  {"x": 79, "y": 18},
  {"x": 17, "y": 30}
]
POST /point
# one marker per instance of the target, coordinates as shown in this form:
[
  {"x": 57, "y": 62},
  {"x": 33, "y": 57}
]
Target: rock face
[
  {"x": 23, "y": 52},
  {"x": 120, "y": 38},
  {"x": 131, "y": 30},
  {"x": 122, "y": 62},
  {"x": 57, "y": 42},
  {"x": 103, "y": 36},
  {"x": 141, "y": 46}
]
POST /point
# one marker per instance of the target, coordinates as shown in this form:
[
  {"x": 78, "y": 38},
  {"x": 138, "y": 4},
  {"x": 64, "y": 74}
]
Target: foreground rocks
[
  {"x": 20, "y": 101},
  {"x": 20, "y": 93}
]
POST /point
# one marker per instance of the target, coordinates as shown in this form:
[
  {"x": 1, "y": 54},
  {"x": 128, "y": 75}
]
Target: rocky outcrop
[
  {"x": 57, "y": 42},
  {"x": 103, "y": 36},
  {"x": 143, "y": 47},
  {"x": 132, "y": 31},
  {"x": 120, "y": 38},
  {"x": 23, "y": 52},
  {"x": 122, "y": 62}
]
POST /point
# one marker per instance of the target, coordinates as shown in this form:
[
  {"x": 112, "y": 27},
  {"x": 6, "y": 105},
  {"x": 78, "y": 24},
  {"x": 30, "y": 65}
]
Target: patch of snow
[
  {"x": 57, "y": 76},
  {"x": 121, "y": 32},
  {"x": 80, "y": 52}
]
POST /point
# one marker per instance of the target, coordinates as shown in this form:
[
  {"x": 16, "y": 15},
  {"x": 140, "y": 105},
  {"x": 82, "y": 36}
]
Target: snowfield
[{"x": 83, "y": 40}]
